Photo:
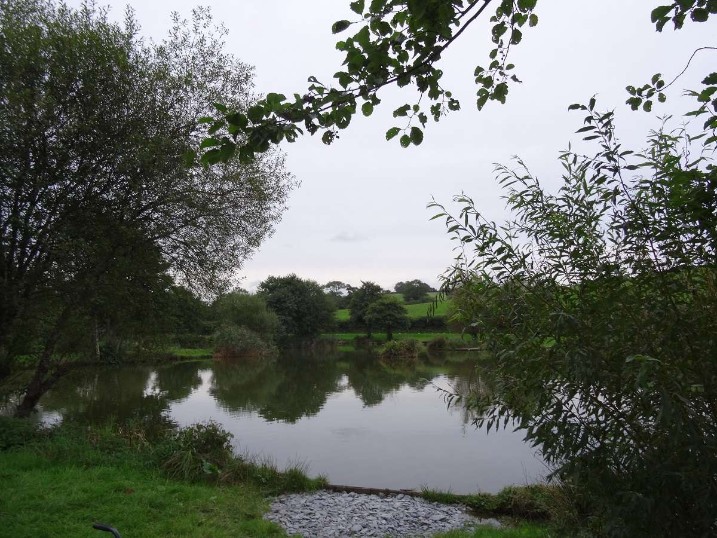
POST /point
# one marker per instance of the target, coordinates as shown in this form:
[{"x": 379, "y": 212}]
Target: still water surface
[{"x": 346, "y": 417}]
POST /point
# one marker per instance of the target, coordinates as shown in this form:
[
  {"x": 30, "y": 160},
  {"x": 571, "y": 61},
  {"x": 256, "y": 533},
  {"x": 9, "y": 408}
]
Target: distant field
[
  {"x": 415, "y": 311},
  {"x": 380, "y": 335}
]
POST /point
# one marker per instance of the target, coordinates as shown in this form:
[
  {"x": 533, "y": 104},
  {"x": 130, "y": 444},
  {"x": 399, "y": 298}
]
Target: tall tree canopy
[
  {"x": 387, "y": 313},
  {"x": 361, "y": 299},
  {"x": 304, "y": 310},
  {"x": 413, "y": 291},
  {"x": 97, "y": 202},
  {"x": 401, "y": 42}
]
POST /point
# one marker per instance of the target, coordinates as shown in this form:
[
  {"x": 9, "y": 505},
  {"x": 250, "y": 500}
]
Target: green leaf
[
  {"x": 209, "y": 142},
  {"x": 405, "y": 141},
  {"x": 238, "y": 119},
  {"x": 358, "y": 6},
  {"x": 416, "y": 136},
  {"x": 392, "y": 132},
  {"x": 246, "y": 155},
  {"x": 417, "y": 8},
  {"x": 710, "y": 79},
  {"x": 660, "y": 12},
  {"x": 213, "y": 156},
  {"x": 215, "y": 127},
  {"x": 527, "y": 5},
  {"x": 367, "y": 109},
  {"x": 401, "y": 111},
  {"x": 533, "y": 20},
  {"x": 699, "y": 15},
  {"x": 340, "y": 26},
  {"x": 255, "y": 113},
  {"x": 220, "y": 107}
]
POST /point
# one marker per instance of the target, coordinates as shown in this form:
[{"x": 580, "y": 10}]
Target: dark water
[{"x": 346, "y": 417}]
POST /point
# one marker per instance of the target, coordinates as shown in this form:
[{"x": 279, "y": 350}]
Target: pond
[{"x": 346, "y": 416}]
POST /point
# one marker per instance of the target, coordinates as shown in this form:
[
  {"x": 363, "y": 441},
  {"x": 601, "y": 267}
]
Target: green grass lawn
[
  {"x": 62, "y": 499},
  {"x": 191, "y": 353},
  {"x": 415, "y": 311},
  {"x": 378, "y": 335}
]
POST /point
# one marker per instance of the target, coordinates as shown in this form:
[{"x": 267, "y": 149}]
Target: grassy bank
[
  {"x": 146, "y": 480},
  {"x": 46, "y": 497}
]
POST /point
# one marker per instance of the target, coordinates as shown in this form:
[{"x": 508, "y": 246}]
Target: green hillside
[{"x": 415, "y": 311}]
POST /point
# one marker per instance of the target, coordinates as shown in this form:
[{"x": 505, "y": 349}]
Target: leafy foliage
[
  {"x": 413, "y": 291},
  {"x": 397, "y": 42},
  {"x": 301, "y": 305},
  {"x": 361, "y": 299},
  {"x": 401, "y": 42},
  {"x": 388, "y": 313},
  {"x": 238, "y": 342},
  {"x": 399, "y": 352},
  {"x": 598, "y": 304},
  {"x": 97, "y": 204},
  {"x": 340, "y": 292},
  {"x": 245, "y": 310},
  {"x": 198, "y": 452}
]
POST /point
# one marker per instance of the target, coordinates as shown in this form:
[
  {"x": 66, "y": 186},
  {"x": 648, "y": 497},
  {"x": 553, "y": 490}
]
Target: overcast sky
[{"x": 360, "y": 213}]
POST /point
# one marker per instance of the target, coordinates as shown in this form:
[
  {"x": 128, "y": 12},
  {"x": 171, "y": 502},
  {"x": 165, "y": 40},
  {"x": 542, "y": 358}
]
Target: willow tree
[
  {"x": 99, "y": 209},
  {"x": 597, "y": 305}
]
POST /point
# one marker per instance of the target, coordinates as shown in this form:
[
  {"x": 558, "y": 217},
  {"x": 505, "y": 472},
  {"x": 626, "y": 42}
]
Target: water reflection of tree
[
  {"x": 372, "y": 380},
  {"x": 469, "y": 384},
  {"x": 94, "y": 394},
  {"x": 244, "y": 387},
  {"x": 286, "y": 390},
  {"x": 178, "y": 381}
]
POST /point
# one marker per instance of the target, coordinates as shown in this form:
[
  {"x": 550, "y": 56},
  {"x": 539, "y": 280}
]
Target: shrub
[
  {"x": 16, "y": 432},
  {"x": 197, "y": 452},
  {"x": 599, "y": 306},
  {"x": 399, "y": 352},
  {"x": 437, "y": 344},
  {"x": 232, "y": 341}
]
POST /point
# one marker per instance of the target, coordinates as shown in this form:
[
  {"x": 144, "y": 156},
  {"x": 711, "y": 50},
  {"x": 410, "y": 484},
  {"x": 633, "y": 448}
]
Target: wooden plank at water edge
[{"x": 371, "y": 491}]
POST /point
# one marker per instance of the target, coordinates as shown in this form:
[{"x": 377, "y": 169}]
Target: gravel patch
[{"x": 327, "y": 515}]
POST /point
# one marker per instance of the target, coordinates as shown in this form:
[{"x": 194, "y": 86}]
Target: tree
[
  {"x": 340, "y": 292},
  {"x": 249, "y": 311},
  {"x": 598, "y": 306},
  {"x": 303, "y": 308},
  {"x": 187, "y": 312},
  {"x": 388, "y": 313},
  {"x": 361, "y": 299},
  {"x": 400, "y": 42},
  {"x": 97, "y": 205},
  {"x": 413, "y": 291}
]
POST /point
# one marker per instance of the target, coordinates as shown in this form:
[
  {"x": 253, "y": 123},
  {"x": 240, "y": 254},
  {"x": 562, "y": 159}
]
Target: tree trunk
[
  {"x": 46, "y": 374},
  {"x": 389, "y": 333}
]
